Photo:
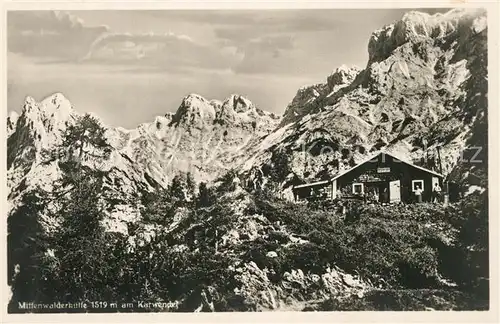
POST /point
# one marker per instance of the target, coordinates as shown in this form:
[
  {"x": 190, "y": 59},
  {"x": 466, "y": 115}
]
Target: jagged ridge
[{"x": 201, "y": 137}]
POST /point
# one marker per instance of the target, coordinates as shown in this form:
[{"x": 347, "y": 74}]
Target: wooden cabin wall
[
  {"x": 304, "y": 192},
  {"x": 367, "y": 173}
]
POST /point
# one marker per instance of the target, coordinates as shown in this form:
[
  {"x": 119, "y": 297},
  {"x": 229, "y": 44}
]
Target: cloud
[
  {"x": 49, "y": 34},
  {"x": 249, "y": 42},
  {"x": 206, "y": 17},
  {"x": 270, "y": 43},
  {"x": 300, "y": 41},
  {"x": 270, "y": 54},
  {"x": 280, "y": 42},
  {"x": 258, "y": 54},
  {"x": 275, "y": 20},
  {"x": 274, "y": 44},
  {"x": 165, "y": 51},
  {"x": 56, "y": 37}
]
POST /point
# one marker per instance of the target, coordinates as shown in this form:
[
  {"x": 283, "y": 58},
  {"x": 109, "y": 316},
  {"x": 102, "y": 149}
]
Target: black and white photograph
[{"x": 247, "y": 160}]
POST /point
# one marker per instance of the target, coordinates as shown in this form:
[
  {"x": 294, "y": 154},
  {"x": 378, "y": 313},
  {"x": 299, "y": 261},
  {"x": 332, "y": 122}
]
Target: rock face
[
  {"x": 424, "y": 88},
  {"x": 39, "y": 127},
  {"x": 201, "y": 137},
  {"x": 307, "y": 99},
  {"x": 297, "y": 290}
]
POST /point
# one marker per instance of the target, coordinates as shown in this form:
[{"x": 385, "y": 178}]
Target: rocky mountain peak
[
  {"x": 54, "y": 109},
  {"x": 342, "y": 77},
  {"x": 237, "y": 103},
  {"x": 239, "y": 111},
  {"x": 58, "y": 100},
  {"x": 236, "y": 110},
  {"x": 233, "y": 108},
  {"x": 307, "y": 100},
  {"x": 50, "y": 104},
  {"x": 194, "y": 110},
  {"x": 417, "y": 26}
]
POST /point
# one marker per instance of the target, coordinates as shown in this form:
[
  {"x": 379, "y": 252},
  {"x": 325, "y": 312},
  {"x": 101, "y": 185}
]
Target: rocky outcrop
[
  {"x": 38, "y": 128},
  {"x": 417, "y": 26},
  {"x": 297, "y": 291},
  {"x": 309, "y": 100},
  {"x": 194, "y": 111}
]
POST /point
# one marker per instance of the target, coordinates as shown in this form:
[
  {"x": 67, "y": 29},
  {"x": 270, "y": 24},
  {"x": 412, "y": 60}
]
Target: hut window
[
  {"x": 357, "y": 188},
  {"x": 417, "y": 183}
]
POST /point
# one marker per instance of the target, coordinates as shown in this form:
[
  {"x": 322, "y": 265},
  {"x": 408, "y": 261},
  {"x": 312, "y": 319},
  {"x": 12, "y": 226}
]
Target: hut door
[{"x": 394, "y": 191}]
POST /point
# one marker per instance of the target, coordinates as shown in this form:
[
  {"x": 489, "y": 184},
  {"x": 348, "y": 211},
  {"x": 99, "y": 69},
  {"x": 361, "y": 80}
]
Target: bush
[
  {"x": 279, "y": 237},
  {"x": 309, "y": 257},
  {"x": 467, "y": 262}
]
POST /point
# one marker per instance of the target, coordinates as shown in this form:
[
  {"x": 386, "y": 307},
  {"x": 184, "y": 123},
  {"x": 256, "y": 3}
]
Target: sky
[{"x": 128, "y": 66}]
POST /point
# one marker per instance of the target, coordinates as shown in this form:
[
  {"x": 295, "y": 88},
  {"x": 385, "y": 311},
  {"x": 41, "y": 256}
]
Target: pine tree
[
  {"x": 81, "y": 246},
  {"x": 227, "y": 182},
  {"x": 80, "y": 240},
  {"x": 158, "y": 207},
  {"x": 177, "y": 191},
  {"x": 473, "y": 244},
  {"x": 216, "y": 219},
  {"x": 205, "y": 197},
  {"x": 86, "y": 131},
  {"x": 280, "y": 169}
]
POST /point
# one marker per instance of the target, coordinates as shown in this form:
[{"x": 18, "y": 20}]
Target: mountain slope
[
  {"x": 424, "y": 88},
  {"x": 200, "y": 138}
]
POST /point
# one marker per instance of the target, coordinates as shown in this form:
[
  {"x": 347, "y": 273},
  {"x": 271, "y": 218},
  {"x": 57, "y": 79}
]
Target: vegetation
[
  {"x": 68, "y": 264},
  {"x": 403, "y": 259},
  {"x": 393, "y": 252},
  {"x": 26, "y": 245}
]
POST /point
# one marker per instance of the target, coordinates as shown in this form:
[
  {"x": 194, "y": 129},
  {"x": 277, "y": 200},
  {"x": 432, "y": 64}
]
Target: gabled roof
[
  {"x": 391, "y": 155},
  {"x": 317, "y": 183},
  {"x": 363, "y": 162}
]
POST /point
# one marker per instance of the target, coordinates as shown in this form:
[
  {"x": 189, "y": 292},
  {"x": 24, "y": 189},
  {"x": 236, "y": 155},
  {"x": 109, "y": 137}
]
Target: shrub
[
  {"x": 374, "y": 242},
  {"x": 309, "y": 257},
  {"x": 467, "y": 262}
]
